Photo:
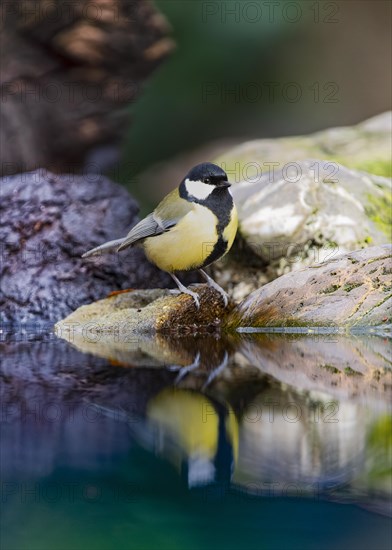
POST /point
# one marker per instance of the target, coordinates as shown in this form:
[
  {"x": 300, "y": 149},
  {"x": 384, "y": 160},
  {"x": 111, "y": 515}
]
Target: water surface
[{"x": 253, "y": 441}]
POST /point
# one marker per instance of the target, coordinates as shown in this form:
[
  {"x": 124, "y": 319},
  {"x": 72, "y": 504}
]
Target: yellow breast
[
  {"x": 230, "y": 230},
  {"x": 187, "y": 245}
]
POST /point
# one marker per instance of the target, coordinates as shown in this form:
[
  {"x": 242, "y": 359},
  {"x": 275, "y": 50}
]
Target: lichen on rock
[
  {"x": 365, "y": 147},
  {"x": 350, "y": 291},
  {"x": 291, "y": 224},
  {"x": 306, "y": 199}
]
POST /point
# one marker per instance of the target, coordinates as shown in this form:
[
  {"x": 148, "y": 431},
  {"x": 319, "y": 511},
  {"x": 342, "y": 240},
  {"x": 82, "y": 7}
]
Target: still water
[{"x": 253, "y": 441}]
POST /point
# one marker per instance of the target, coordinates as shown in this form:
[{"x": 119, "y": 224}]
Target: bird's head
[{"x": 205, "y": 178}]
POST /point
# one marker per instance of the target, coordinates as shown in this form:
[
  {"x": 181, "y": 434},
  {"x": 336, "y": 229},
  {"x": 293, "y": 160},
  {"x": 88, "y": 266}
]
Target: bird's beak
[{"x": 224, "y": 183}]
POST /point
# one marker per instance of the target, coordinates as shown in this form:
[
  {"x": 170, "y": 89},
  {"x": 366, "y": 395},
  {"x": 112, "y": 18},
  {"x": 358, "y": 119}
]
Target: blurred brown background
[{"x": 240, "y": 70}]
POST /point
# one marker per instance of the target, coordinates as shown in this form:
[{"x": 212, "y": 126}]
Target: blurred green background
[{"x": 254, "y": 69}]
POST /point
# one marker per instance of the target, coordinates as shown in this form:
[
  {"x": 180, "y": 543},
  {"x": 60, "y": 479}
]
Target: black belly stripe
[{"x": 218, "y": 251}]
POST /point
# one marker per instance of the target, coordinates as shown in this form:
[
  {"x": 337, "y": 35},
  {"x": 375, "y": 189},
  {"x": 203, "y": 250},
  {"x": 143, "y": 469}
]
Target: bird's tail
[{"x": 105, "y": 248}]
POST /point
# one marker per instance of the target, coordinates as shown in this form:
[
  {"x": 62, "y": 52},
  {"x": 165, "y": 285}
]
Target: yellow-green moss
[
  {"x": 330, "y": 289},
  {"x": 380, "y": 167},
  {"x": 379, "y": 210},
  {"x": 348, "y": 287},
  {"x": 380, "y": 434},
  {"x": 331, "y": 369},
  {"x": 350, "y": 372}
]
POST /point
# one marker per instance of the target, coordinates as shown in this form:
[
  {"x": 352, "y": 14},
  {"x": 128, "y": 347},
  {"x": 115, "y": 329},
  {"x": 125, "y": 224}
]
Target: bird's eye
[{"x": 207, "y": 180}]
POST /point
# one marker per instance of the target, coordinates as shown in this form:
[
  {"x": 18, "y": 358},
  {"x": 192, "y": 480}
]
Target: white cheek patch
[{"x": 198, "y": 189}]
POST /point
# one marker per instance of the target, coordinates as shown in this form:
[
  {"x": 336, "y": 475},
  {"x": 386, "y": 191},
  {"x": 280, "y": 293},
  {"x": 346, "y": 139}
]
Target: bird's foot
[
  {"x": 211, "y": 283},
  {"x": 184, "y": 290},
  {"x": 224, "y": 294},
  {"x": 189, "y": 292},
  {"x": 195, "y": 297}
]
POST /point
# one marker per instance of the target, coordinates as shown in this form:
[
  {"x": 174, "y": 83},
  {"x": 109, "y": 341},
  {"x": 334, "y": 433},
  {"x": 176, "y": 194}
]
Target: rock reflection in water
[{"x": 287, "y": 415}]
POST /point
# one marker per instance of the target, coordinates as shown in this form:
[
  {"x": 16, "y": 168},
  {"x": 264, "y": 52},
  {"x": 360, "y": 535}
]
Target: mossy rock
[
  {"x": 351, "y": 291},
  {"x": 305, "y": 199},
  {"x": 365, "y": 146},
  {"x": 144, "y": 312}
]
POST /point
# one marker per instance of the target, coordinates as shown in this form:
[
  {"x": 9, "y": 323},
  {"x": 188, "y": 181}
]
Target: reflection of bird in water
[
  {"x": 196, "y": 364},
  {"x": 199, "y": 435}
]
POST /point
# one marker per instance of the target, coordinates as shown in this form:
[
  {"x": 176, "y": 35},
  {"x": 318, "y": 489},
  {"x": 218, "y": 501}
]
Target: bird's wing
[
  {"x": 171, "y": 209},
  {"x": 105, "y": 248},
  {"x": 148, "y": 227},
  {"x": 166, "y": 215}
]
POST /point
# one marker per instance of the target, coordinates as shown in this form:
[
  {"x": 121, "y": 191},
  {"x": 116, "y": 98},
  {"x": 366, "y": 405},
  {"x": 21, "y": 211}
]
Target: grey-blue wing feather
[
  {"x": 110, "y": 246},
  {"x": 148, "y": 227}
]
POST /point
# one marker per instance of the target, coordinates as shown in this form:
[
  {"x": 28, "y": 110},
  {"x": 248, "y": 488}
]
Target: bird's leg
[
  {"x": 185, "y": 290},
  {"x": 221, "y": 367},
  {"x": 215, "y": 285},
  {"x": 184, "y": 370}
]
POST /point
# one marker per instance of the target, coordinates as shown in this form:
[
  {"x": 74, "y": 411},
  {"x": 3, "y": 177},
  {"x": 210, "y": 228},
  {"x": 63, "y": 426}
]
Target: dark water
[{"x": 256, "y": 441}]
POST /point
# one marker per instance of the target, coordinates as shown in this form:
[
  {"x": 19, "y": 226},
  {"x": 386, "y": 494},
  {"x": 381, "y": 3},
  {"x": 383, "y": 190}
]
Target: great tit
[{"x": 192, "y": 227}]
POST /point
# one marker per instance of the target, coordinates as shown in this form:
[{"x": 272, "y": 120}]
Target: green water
[{"x": 269, "y": 442}]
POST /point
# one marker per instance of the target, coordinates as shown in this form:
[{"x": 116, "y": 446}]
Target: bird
[{"x": 192, "y": 227}]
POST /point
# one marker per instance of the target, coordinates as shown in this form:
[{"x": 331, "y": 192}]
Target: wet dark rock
[{"x": 47, "y": 222}]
